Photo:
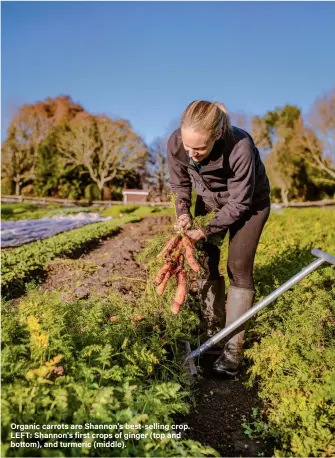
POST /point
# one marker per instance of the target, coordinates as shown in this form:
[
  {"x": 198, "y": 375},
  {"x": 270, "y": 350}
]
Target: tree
[
  {"x": 274, "y": 134},
  {"x": 242, "y": 120},
  {"x": 311, "y": 149},
  {"x": 158, "y": 173},
  {"x": 322, "y": 119},
  {"x": 105, "y": 148},
  {"x": 315, "y": 139},
  {"x": 286, "y": 172},
  {"x": 53, "y": 177},
  {"x": 17, "y": 157},
  {"x": 28, "y": 129}
]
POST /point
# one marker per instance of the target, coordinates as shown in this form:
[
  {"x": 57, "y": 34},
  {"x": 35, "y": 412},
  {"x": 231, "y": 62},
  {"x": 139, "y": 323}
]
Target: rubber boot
[
  {"x": 212, "y": 293},
  {"x": 239, "y": 300}
]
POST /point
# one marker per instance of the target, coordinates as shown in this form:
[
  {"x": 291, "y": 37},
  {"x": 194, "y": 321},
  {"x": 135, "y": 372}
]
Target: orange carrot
[
  {"x": 161, "y": 274},
  {"x": 178, "y": 265},
  {"x": 171, "y": 244},
  {"x": 160, "y": 288},
  {"x": 113, "y": 319},
  {"x": 174, "y": 254},
  {"x": 189, "y": 253},
  {"x": 180, "y": 295}
]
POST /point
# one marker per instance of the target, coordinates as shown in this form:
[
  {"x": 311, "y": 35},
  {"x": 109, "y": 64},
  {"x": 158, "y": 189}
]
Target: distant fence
[
  {"x": 70, "y": 202},
  {"x": 107, "y": 203}
]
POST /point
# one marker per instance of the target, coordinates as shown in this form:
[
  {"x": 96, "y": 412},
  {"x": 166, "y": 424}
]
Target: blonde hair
[{"x": 207, "y": 117}]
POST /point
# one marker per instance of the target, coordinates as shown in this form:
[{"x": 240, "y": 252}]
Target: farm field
[
  {"x": 18, "y": 211},
  {"x": 67, "y": 359},
  {"x": 15, "y": 212},
  {"x": 28, "y": 223}
]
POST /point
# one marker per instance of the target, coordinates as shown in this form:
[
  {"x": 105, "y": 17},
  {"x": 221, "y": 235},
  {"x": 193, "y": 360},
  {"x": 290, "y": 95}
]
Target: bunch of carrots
[{"x": 176, "y": 250}]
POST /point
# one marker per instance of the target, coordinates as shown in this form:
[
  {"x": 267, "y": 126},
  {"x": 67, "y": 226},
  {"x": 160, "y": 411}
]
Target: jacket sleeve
[
  {"x": 180, "y": 183},
  {"x": 240, "y": 187}
]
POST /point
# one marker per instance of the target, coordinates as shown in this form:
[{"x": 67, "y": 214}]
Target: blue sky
[{"x": 145, "y": 61}]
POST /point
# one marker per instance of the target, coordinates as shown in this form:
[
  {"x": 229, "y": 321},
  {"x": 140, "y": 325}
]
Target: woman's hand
[
  {"x": 196, "y": 234},
  {"x": 184, "y": 222}
]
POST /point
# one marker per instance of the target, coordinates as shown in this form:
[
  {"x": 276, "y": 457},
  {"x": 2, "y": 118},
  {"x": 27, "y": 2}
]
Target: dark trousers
[{"x": 244, "y": 236}]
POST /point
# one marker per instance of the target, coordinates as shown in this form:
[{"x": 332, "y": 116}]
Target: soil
[
  {"x": 222, "y": 405},
  {"x": 110, "y": 265}
]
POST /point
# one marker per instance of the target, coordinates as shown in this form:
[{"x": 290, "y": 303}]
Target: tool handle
[{"x": 322, "y": 255}]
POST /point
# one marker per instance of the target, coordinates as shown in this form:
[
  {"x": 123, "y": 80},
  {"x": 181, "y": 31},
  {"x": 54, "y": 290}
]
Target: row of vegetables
[{"x": 78, "y": 365}]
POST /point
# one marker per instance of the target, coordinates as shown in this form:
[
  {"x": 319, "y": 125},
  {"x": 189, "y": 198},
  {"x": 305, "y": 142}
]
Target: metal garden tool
[{"x": 190, "y": 355}]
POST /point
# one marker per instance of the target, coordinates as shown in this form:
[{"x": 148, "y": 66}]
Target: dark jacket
[{"x": 231, "y": 180}]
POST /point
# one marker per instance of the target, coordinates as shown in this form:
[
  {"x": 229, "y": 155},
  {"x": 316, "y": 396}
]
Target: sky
[{"x": 146, "y": 61}]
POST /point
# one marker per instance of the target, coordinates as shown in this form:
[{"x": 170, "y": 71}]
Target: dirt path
[
  {"x": 221, "y": 404},
  {"x": 110, "y": 265}
]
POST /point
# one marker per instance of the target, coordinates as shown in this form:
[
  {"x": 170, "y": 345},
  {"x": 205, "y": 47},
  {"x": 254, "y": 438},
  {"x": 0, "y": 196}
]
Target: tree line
[{"x": 55, "y": 148}]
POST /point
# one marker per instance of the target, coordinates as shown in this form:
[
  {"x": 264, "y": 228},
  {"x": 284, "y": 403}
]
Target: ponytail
[{"x": 207, "y": 117}]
